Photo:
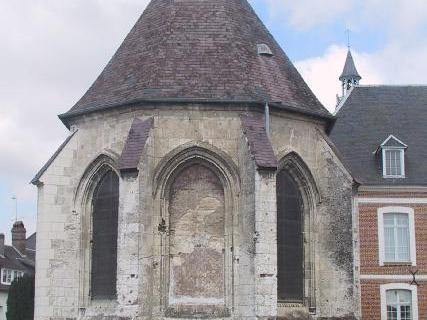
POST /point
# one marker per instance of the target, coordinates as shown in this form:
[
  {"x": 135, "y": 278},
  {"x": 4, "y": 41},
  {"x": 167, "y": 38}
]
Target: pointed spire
[
  {"x": 349, "y": 77},
  {"x": 350, "y": 71}
]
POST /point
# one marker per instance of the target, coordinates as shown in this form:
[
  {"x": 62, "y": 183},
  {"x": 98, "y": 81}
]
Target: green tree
[{"x": 20, "y": 301}]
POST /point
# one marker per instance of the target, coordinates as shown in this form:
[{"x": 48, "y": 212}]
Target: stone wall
[{"x": 212, "y": 137}]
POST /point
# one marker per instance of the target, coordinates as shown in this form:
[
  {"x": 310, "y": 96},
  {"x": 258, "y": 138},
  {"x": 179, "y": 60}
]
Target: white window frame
[
  {"x": 402, "y": 162},
  {"x": 399, "y": 286},
  {"x": 3, "y": 270},
  {"x": 412, "y": 241}
]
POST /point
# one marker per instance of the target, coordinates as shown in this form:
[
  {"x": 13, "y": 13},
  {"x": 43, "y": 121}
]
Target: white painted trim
[
  {"x": 398, "y": 286},
  {"x": 393, "y": 200},
  {"x": 388, "y": 188},
  {"x": 397, "y": 277},
  {"x": 1, "y": 277},
  {"x": 402, "y": 162},
  {"x": 343, "y": 100},
  {"x": 412, "y": 243},
  {"x": 392, "y": 85},
  {"x": 18, "y": 252},
  {"x": 393, "y": 137},
  {"x": 11, "y": 270}
]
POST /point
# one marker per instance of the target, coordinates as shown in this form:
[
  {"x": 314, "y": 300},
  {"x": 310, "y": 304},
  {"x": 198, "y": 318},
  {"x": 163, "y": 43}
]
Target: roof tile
[
  {"x": 135, "y": 143},
  {"x": 373, "y": 113},
  {"x": 259, "y": 143},
  {"x": 198, "y": 50}
]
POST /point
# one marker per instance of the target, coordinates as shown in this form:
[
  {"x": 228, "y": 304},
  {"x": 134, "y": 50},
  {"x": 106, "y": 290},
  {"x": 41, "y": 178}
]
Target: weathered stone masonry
[
  {"x": 179, "y": 137},
  {"x": 196, "y": 120}
]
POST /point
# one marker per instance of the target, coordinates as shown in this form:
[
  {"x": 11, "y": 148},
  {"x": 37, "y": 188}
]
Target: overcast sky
[{"x": 52, "y": 50}]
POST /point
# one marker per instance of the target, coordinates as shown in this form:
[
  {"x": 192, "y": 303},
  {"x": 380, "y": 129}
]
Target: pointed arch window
[
  {"x": 289, "y": 239},
  {"x": 105, "y": 206}
]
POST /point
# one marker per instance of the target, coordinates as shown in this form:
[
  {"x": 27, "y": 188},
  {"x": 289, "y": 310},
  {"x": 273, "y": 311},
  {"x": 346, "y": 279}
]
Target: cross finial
[{"x": 348, "y": 32}]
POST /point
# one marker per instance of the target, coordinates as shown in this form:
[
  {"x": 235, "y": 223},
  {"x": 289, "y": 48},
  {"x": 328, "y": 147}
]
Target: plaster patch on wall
[{"x": 197, "y": 209}]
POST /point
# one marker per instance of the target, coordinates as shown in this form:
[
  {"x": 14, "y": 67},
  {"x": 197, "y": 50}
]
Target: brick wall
[
  {"x": 369, "y": 255},
  {"x": 371, "y": 300},
  {"x": 369, "y": 251}
]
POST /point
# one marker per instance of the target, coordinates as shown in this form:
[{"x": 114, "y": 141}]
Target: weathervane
[
  {"x": 16, "y": 207},
  {"x": 348, "y": 32}
]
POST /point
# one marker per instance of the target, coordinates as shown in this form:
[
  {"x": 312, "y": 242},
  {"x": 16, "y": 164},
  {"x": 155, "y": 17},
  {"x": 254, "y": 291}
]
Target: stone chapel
[{"x": 197, "y": 182}]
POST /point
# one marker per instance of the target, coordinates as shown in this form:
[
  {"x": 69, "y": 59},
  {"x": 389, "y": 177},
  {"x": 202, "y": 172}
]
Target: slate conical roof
[
  {"x": 198, "y": 50},
  {"x": 350, "y": 71}
]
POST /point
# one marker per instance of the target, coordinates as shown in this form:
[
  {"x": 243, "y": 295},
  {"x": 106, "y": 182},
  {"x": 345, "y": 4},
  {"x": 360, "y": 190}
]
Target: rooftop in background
[
  {"x": 198, "y": 51},
  {"x": 368, "y": 116},
  {"x": 19, "y": 261}
]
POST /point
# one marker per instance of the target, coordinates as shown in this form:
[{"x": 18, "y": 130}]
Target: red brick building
[{"x": 381, "y": 133}]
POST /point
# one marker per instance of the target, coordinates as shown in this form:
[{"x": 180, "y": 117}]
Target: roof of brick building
[
  {"x": 371, "y": 114},
  {"x": 15, "y": 260},
  {"x": 197, "y": 51}
]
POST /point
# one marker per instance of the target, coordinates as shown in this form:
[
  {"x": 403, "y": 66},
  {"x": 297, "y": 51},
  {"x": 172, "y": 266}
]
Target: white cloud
[
  {"x": 51, "y": 53},
  {"x": 401, "y": 59},
  {"x": 305, "y": 14},
  {"x": 321, "y": 73},
  {"x": 53, "y": 50},
  {"x": 394, "y": 64},
  {"x": 393, "y": 15}
]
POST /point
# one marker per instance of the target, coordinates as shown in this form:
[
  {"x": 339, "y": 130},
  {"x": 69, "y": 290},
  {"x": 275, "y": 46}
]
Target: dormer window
[
  {"x": 393, "y": 163},
  {"x": 393, "y": 157}
]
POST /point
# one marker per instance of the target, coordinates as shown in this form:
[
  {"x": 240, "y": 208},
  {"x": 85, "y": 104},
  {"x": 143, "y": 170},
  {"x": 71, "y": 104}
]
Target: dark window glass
[
  {"x": 289, "y": 239},
  {"x": 104, "y": 241}
]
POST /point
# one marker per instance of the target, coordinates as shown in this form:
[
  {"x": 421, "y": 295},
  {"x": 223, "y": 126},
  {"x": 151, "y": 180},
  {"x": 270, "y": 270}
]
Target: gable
[{"x": 392, "y": 141}]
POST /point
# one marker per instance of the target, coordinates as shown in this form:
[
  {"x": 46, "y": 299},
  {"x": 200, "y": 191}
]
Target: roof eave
[
  {"x": 66, "y": 117},
  {"x": 36, "y": 180}
]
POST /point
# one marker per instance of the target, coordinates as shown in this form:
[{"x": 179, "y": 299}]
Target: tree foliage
[{"x": 20, "y": 301}]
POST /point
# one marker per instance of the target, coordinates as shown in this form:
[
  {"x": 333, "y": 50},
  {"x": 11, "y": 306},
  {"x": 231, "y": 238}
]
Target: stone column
[
  {"x": 265, "y": 245},
  {"x": 128, "y": 244}
]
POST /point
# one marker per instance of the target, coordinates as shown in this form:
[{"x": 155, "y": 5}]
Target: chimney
[
  {"x": 1, "y": 244},
  {"x": 19, "y": 238}
]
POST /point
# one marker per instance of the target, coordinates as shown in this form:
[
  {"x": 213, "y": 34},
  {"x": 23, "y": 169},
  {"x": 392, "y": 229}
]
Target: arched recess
[
  {"x": 196, "y": 188},
  {"x": 98, "y": 185},
  {"x": 297, "y": 200}
]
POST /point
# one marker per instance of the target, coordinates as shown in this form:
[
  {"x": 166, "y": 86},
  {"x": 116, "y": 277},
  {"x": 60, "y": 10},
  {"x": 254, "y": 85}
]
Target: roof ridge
[
  {"x": 343, "y": 101},
  {"x": 20, "y": 254},
  {"x": 390, "y": 85}
]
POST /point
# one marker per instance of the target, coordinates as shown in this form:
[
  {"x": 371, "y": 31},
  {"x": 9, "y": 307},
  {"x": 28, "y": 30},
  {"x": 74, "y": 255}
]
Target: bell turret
[{"x": 349, "y": 77}]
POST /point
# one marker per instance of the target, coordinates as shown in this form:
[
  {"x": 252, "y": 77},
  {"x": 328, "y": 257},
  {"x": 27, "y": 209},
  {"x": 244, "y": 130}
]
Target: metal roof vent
[{"x": 264, "y": 50}]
